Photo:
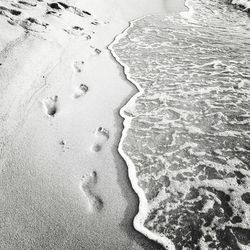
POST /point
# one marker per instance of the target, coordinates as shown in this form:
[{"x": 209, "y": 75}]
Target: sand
[{"x": 63, "y": 183}]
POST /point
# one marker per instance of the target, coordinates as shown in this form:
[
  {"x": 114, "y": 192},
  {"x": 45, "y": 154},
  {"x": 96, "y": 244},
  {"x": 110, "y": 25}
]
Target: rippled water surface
[{"x": 189, "y": 131}]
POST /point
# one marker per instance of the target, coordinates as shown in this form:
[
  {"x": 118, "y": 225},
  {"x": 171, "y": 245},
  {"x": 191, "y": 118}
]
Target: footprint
[
  {"x": 79, "y": 12},
  {"x": 95, "y": 23},
  {"x": 33, "y": 24},
  {"x": 4, "y": 11},
  {"x": 50, "y": 105},
  {"x": 88, "y": 37},
  {"x": 31, "y": 4},
  {"x": 102, "y": 132},
  {"x": 78, "y": 65},
  {"x": 102, "y": 135},
  {"x": 63, "y": 145},
  {"x": 54, "y": 6},
  {"x": 81, "y": 90},
  {"x": 87, "y": 185},
  {"x": 98, "y": 51},
  {"x": 75, "y": 30}
]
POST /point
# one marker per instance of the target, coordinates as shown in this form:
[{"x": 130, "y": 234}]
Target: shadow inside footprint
[
  {"x": 50, "y": 105},
  {"x": 96, "y": 147},
  {"x": 102, "y": 135},
  {"x": 87, "y": 185}
]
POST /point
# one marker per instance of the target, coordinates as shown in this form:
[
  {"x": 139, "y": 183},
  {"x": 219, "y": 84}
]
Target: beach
[{"x": 63, "y": 183}]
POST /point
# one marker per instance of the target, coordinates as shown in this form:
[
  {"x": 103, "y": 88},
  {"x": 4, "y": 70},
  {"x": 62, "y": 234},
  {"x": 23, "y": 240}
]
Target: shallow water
[{"x": 187, "y": 133}]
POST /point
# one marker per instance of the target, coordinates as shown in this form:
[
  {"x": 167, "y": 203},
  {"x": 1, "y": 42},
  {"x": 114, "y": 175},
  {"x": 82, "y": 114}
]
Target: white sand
[{"x": 42, "y": 157}]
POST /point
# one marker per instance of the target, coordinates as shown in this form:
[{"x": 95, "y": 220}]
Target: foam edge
[{"x": 143, "y": 204}]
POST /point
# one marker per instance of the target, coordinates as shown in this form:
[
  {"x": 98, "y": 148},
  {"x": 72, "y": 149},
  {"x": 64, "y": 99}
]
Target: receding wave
[
  {"x": 242, "y": 4},
  {"x": 186, "y": 135}
]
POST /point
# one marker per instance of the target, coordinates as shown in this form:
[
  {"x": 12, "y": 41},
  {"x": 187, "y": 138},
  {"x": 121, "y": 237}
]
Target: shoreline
[
  {"x": 142, "y": 211},
  {"x": 143, "y": 207}
]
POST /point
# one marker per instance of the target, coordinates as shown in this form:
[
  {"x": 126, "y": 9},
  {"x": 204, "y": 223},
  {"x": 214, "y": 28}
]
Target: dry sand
[{"x": 63, "y": 184}]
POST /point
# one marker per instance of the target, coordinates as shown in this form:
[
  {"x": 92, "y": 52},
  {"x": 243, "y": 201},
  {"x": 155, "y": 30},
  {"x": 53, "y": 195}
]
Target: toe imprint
[
  {"x": 102, "y": 132},
  {"x": 89, "y": 179}
]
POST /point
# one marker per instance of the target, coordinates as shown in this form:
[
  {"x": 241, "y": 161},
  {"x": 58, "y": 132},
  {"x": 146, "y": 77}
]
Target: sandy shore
[{"x": 63, "y": 184}]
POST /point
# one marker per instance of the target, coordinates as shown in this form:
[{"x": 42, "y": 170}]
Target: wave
[
  {"x": 244, "y": 4},
  {"x": 185, "y": 141},
  {"x": 142, "y": 212}
]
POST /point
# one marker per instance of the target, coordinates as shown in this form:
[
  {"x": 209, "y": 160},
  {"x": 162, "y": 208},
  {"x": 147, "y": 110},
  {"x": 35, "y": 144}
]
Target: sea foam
[{"x": 186, "y": 132}]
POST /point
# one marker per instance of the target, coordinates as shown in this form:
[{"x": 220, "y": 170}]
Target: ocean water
[{"x": 186, "y": 135}]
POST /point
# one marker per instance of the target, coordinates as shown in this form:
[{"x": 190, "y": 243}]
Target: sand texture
[{"x": 63, "y": 184}]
